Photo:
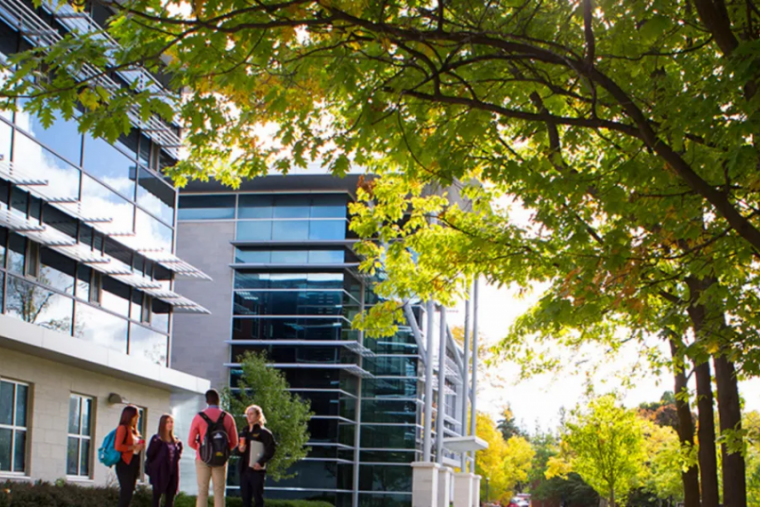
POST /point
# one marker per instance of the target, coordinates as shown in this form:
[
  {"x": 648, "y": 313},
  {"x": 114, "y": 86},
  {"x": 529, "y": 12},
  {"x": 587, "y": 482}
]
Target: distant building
[{"x": 286, "y": 281}]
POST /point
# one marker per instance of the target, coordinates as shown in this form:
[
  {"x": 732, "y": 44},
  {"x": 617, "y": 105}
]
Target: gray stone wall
[
  {"x": 198, "y": 344},
  {"x": 52, "y": 384}
]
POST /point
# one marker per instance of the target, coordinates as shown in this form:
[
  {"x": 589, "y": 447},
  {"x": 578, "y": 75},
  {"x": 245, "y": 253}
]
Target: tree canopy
[{"x": 628, "y": 130}]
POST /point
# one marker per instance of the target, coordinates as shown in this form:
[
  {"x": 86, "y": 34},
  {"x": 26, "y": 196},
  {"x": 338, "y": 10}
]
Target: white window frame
[
  {"x": 81, "y": 437},
  {"x": 17, "y": 429}
]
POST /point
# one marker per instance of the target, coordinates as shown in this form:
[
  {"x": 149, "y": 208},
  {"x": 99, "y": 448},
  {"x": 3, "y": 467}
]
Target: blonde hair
[{"x": 258, "y": 410}]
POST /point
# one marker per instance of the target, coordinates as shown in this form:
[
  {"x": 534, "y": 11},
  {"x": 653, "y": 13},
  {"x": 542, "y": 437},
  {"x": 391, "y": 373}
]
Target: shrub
[{"x": 43, "y": 494}]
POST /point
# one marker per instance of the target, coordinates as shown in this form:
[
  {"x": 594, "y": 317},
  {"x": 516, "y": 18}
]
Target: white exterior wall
[{"x": 51, "y": 385}]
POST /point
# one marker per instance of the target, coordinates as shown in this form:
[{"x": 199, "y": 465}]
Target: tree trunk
[
  {"x": 690, "y": 477},
  {"x": 729, "y": 409},
  {"x": 708, "y": 463},
  {"x": 714, "y": 329}
]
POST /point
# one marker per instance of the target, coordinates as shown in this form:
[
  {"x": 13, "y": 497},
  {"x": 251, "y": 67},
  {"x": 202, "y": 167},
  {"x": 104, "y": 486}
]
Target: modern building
[
  {"x": 87, "y": 274},
  {"x": 286, "y": 281}
]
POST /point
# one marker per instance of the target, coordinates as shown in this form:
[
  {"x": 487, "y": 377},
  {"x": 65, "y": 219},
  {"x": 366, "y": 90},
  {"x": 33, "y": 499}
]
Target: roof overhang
[
  {"x": 56, "y": 346},
  {"x": 465, "y": 444}
]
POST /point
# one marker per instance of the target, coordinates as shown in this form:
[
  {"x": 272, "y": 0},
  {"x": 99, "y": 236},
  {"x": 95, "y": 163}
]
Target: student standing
[
  {"x": 258, "y": 439},
  {"x": 130, "y": 444},
  {"x": 209, "y": 428},
  {"x": 164, "y": 453}
]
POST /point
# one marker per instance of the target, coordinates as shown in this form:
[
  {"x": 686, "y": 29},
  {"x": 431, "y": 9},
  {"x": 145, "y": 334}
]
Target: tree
[
  {"x": 569, "y": 488},
  {"x": 606, "y": 448},
  {"x": 505, "y": 463},
  {"x": 508, "y": 426},
  {"x": 664, "y": 463},
  {"x": 287, "y": 414},
  {"x": 752, "y": 424},
  {"x": 627, "y": 128}
]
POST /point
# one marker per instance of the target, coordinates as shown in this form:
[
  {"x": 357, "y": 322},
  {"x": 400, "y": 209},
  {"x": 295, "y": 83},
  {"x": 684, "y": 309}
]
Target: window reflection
[
  {"x": 62, "y": 136},
  {"x": 6, "y": 137},
  {"x": 289, "y": 328},
  {"x": 211, "y": 207},
  {"x": 99, "y": 201},
  {"x": 57, "y": 271},
  {"x": 147, "y": 344},
  {"x": 255, "y": 206},
  {"x": 110, "y": 166},
  {"x": 153, "y": 234},
  {"x": 62, "y": 178},
  {"x": 291, "y": 302},
  {"x": 156, "y": 196},
  {"x": 16, "y": 253},
  {"x": 115, "y": 296},
  {"x": 254, "y": 280},
  {"x": 31, "y": 303},
  {"x": 245, "y": 256},
  {"x": 254, "y": 231},
  {"x": 99, "y": 327},
  {"x": 160, "y": 313},
  {"x": 388, "y": 437}
]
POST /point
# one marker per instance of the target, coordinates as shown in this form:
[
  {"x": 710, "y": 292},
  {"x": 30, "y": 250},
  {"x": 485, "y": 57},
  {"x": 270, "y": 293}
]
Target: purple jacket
[{"x": 161, "y": 465}]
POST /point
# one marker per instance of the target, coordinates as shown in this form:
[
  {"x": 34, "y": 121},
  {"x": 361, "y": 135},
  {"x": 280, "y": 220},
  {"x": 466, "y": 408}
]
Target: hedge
[{"x": 43, "y": 494}]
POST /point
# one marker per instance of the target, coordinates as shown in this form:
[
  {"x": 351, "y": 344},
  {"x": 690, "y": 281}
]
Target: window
[
  {"x": 62, "y": 136},
  {"x": 14, "y": 403},
  {"x": 57, "y": 271},
  {"x": 62, "y": 177},
  {"x": 206, "y": 207},
  {"x": 80, "y": 436},
  {"x": 100, "y": 202},
  {"x": 148, "y": 345},
  {"x": 255, "y": 206},
  {"x": 110, "y": 166},
  {"x": 115, "y": 296},
  {"x": 156, "y": 196}
]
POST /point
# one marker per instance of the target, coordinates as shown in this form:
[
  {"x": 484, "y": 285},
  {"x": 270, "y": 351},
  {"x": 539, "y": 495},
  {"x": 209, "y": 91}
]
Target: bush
[{"x": 43, "y": 494}]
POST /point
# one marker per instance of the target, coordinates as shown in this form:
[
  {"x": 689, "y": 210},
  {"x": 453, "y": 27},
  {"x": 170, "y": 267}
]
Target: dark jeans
[
  {"x": 127, "y": 474},
  {"x": 252, "y": 487},
  {"x": 169, "y": 493}
]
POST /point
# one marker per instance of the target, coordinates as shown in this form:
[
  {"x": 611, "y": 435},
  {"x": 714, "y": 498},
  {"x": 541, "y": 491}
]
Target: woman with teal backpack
[{"x": 130, "y": 444}]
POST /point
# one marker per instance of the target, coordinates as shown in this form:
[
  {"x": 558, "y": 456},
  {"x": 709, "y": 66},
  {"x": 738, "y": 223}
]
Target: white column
[
  {"x": 476, "y": 491},
  {"x": 466, "y": 373},
  {"x": 445, "y": 475},
  {"x": 425, "y": 484},
  {"x": 474, "y": 399},
  {"x": 427, "y": 428},
  {"x": 441, "y": 389},
  {"x": 463, "y": 493}
]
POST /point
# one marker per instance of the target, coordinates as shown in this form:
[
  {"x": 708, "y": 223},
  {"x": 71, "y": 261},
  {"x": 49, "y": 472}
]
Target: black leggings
[
  {"x": 127, "y": 474},
  {"x": 171, "y": 491}
]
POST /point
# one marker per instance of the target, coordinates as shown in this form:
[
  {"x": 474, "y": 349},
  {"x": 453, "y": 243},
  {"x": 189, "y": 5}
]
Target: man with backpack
[{"x": 213, "y": 434}]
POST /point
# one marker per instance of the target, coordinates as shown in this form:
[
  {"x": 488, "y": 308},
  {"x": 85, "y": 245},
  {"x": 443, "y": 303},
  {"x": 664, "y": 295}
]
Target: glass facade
[
  {"x": 295, "y": 302},
  {"x": 96, "y": 199}
]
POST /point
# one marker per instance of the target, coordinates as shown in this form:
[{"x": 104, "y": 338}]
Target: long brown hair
[
  {"x": 165, "y": 435},
  {"x": 129, "y": 413}
]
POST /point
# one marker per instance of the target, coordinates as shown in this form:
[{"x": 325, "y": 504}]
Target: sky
[{"x": 536, "y": 402}]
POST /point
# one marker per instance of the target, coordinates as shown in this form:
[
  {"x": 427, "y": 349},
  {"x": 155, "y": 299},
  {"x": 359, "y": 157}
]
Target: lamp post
[{"x": 487, "y": 490}]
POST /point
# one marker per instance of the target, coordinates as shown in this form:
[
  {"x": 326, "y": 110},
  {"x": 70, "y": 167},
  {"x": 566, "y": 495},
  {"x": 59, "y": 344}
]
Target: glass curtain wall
[
  {"x": 114, "y": 188},
  {"x": 294, "y": 302}
]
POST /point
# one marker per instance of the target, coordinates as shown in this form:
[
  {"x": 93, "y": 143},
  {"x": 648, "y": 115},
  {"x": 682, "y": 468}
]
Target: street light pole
[{"x": 487, "y": 490}]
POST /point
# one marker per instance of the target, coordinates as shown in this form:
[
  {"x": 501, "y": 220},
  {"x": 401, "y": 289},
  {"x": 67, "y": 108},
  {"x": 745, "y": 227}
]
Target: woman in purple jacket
[{"x": 163, "y": 462}]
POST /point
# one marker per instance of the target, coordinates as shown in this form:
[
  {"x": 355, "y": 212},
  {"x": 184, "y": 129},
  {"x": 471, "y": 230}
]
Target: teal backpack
[{"x": 107, "y": 454}]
